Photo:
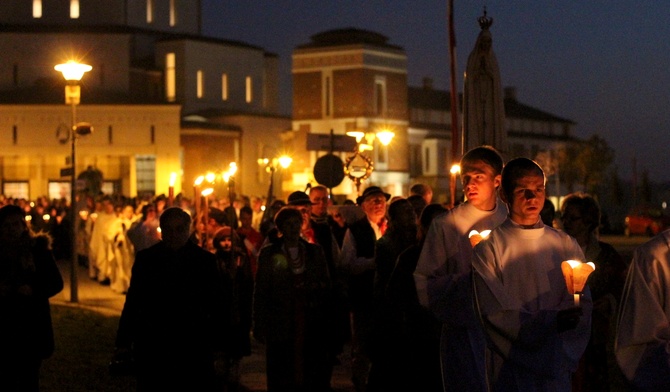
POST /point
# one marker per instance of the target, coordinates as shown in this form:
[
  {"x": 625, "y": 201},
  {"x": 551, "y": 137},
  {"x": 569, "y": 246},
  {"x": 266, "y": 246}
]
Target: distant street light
[
  {"x": 359, "y": 167},
  {"x": 271, "y": 165},
  {"x": 73, "y": 72}
]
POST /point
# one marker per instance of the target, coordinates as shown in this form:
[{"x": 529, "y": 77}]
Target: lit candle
[
  {"x": 477, "y": 237},
  {"x": 576, "y": 273},
  {"x": 196, "y": 193}
]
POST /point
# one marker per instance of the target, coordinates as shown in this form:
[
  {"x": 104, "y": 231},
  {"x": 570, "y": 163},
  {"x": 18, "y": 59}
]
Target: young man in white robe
[
  {"x": 535, "y": 332},
  {"x": 643, "y": 331},
  {"x": 442, "y": 275}
]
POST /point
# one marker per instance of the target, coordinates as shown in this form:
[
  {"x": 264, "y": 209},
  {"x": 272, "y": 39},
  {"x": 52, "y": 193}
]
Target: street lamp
[
  {"x": 73, "y": 72},
  {"x": 359, "y": 167},
  {"x": 271, "y": 166}
]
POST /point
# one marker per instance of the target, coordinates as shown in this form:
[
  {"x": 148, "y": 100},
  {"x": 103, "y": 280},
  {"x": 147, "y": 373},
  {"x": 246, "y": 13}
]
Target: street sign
[
  {"x": 66, "y": 172},
  {"x": 330, "y": 142},
  {"x": 329, "y": 170}
]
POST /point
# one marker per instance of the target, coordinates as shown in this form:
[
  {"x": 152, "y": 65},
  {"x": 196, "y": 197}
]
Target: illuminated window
[
  {"x": 173, "y": 13},
  {"x": 150, "y": 11},
  {"x": 224, "y": 87},
  {"x": 37, "y": 9},
  {"x": 249, "y": 89},
  {"x": 380, "y": 96},
  {"x": 199, "y": 81},
  {"x": 170, "y": 78},
  {"x": 74, "y": 9},
  {"x": 16, "y": 189},
  {"x": 145, "y": 174}
]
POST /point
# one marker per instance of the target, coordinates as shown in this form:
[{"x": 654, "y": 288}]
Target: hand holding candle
[
  {"x": 576, "y": 273},
  {"x": 476, "y": 237}
]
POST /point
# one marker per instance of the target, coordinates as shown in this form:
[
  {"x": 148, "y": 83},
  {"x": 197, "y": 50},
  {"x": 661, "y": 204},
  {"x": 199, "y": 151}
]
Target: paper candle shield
[
  {"x": 476, "y": 237},
  {"x": 576, "y": 273}
]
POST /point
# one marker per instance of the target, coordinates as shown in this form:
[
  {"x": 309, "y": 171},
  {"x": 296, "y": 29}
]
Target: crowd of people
[{"x": 399, "y": 279}]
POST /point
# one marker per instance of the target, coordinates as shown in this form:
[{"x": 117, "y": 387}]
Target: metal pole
[
  {"x": 74, "y": 295},
  {"x": 454, "y": 101}
]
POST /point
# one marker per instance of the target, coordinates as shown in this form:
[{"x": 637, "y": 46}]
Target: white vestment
[
  {"x": 643, "y": 332},
  {"x": 444, "y": 285},
  {"x": 519, "y": 289}
]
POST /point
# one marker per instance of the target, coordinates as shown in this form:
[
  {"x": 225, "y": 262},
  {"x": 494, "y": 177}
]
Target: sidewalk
[{"x": 101, "y": 299}]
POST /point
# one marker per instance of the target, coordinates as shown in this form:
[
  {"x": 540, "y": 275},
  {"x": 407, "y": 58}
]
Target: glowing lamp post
[
  {"x": 359, "y": 167},
  {"x": 73, "y": 72},
  {"x": 271, "y": 166}
]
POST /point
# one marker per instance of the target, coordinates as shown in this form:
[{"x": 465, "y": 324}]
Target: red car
[{"x": 646, "y": 221}]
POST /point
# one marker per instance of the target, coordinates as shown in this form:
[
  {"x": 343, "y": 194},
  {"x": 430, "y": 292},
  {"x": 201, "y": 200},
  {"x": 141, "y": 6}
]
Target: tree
[{"x": 592, "y": 162}]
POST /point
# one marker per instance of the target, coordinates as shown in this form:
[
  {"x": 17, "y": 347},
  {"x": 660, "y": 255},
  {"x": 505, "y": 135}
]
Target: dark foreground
[{"x": 85, "y": 332}]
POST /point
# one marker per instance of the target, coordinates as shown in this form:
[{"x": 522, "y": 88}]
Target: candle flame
[
  {"x": 576, "y": 273},
  {"x": 477, "y": 237}
]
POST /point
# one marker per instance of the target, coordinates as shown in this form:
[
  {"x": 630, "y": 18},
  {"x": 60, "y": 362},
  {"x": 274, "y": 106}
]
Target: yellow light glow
[
  {"x": 233, "y": 168},
  {"x": 46, "y": 217},
  {"x": 207, "y": 192},
  {"x": 226, "y": 176},
  {"x": 210, "y": 177},
  {"x": 173, "y": 178},
  {"x": 263, "y": 161},
  {"x": 357, "y": 134},
  {"x": 385, "y": 137},
  {"x": 73, "y": 70},
  {"x": 285, "y": 161},
  {"x": 199, "y": 180},
  {"x": 363, "y": 147},
  {"x": 455, "y": 169}
]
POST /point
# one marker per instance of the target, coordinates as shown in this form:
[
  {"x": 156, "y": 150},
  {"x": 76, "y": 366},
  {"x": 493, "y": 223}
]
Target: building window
[
  {"x": 382, "y": 154},
  {"x": 426, "y": 160},
  {"x": 224, "y": 87},
  {"x": 146, "y": 174},
  {"x": 74, "y": 9},
  {"x": 16, "y": 189},
  {"x": 200, "y": 88},
  {"x": 415, "y": 159},
  {"x": 249, "y": 87},
  {"x": 329, "y": 92},
  {"x": 150, "y": 11},
  {"x": 37, "y": 9},
  {"x": 58, "y": 190},
  {"x": 173, "y": 13},
  {"x": 380, "y": 96},
  {"x": 170, "y": 77}
]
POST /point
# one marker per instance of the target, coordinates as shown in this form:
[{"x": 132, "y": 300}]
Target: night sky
[{"x": 603, "y": 64}]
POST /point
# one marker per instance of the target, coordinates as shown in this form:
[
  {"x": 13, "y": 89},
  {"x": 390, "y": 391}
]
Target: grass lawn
[{"x": 84, "y": 347}]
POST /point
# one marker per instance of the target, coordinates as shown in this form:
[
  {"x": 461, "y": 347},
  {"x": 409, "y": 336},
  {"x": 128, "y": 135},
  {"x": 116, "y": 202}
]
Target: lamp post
[
  {"x": 271, "y": 166},
  {"x": 359, "y": 167},
  {"x": 73, "y": 72}
]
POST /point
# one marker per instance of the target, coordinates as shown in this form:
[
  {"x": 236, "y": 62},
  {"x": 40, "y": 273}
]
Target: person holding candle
[
  {"x": 535, "y": 333},
  {"x": 442, "y": 275},
  {"x": 580, "y": 215}
]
